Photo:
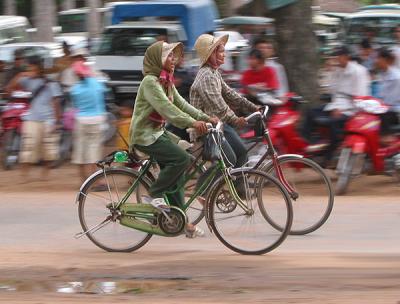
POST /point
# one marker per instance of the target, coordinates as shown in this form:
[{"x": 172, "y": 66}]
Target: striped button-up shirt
[{"x": 210, "y": 94}]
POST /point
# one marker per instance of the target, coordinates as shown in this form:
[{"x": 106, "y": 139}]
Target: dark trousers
[
  {"x": 317, "y": 117},
  {"x": 234, "y": 152},
  {"x": 173, "y": 162},
  {"x": 388, "y": 120},
  {"x": 178, "y": 131}
]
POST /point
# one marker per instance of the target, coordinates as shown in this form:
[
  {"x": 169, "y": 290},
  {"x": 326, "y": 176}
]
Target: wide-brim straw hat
[
  {"x": 206, "y": 44},
  {"x": 167, "y": 48}
]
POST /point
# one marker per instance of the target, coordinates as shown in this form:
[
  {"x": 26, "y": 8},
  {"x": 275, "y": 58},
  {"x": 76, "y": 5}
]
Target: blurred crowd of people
[
  {"x": 349, "y": 72},
  {"x": 71, "y": 84}
]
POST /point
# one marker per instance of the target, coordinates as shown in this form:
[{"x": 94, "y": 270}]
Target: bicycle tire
[
  {"x": 298, "y": 216},
  {"x": 261, "y": 178},
  {"x": 82, "y": 199}
]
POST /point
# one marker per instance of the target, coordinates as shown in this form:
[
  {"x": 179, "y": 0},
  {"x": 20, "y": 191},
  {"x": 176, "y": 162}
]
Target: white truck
[
  {"x": 136, "y": 25},
  {"x": 121, "y": 51}
]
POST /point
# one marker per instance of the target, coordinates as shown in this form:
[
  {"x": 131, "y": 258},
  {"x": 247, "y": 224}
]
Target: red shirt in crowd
[{"x": 266, "y": 75}]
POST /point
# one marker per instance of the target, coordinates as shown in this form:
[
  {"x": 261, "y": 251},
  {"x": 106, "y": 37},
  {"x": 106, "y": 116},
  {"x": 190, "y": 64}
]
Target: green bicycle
[{"x": 238, "y": 208}]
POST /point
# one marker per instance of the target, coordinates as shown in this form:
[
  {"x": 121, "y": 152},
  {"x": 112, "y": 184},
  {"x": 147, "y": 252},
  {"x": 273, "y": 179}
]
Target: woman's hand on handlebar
[
  {"x": 240, "y": 122},
  {"x": 201, "y": 127},
  {"x": 214, "y": 120}
]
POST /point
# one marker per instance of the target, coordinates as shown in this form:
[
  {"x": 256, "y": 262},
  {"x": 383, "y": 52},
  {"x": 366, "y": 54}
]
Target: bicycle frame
[
  {"x": 273, "y": 155},
  {"x": 134, "y": 212}
]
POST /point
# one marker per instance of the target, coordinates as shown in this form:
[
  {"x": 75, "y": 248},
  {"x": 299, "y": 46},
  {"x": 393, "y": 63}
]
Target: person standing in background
[
  {"x": 39, "y": 129},
  {"x": 87, "y": 97}
]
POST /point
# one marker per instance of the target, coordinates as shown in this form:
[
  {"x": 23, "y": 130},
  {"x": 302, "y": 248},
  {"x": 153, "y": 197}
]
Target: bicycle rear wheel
[
  {"x": 247, "y": 231},
  {"x": 315, "y": 197},
  {"x": 96, "y": 200}
]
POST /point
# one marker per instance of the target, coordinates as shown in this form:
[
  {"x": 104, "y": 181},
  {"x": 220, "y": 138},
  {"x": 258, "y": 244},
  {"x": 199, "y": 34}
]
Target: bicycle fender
[
  {"x": 269, "y": 164},
  {"x": 99, "y": 172}
]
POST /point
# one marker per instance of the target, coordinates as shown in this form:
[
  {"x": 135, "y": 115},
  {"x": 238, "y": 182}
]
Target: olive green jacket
[{"x": 151, "y": 97}]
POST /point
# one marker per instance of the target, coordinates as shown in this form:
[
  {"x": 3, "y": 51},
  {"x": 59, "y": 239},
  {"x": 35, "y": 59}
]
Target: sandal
[{"x": 196, "y": 232}]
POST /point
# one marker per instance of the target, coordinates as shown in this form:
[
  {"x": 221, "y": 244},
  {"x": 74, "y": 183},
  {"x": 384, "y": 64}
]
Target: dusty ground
[{"x": 353, "y": 258}]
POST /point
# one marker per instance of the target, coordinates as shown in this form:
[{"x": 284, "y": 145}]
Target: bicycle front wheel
[
  {"x": 242, "y": 227},
  {"x": 96, "y": 200},
  {"x": 313, "y": 193}
]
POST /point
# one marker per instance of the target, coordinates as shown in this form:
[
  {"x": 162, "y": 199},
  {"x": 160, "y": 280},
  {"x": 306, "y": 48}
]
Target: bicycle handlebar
[
  {"x": 193, "y": 133},
  {"x": 255, "y": 114}
]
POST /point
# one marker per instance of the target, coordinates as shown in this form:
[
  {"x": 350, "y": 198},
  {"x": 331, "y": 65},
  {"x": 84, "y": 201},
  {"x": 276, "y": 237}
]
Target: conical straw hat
[
  {"x": 167, "y": 48},
  {"x": 206, "y": 44}
]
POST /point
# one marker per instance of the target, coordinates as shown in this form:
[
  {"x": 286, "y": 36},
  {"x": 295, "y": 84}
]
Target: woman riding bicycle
[
  {"x": 213, "y": 96},
  {"x": 158, "y": 101}
]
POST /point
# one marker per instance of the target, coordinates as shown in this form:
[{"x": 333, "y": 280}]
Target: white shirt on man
[
  {"x": 389, "y": 89},
  {"x": 353, "y": 80},
  {"x": 281, "y": 75}
]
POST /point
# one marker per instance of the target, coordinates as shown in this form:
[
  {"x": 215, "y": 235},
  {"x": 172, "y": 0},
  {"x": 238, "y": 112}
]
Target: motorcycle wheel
[
  {"x": 11, "y": 143},
  {"x": 346, "y": 163}
]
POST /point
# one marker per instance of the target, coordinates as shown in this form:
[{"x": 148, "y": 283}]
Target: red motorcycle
[
  {"x": 283, "y": 127},
  {"x": 11, "y": 121},
  {"x": 362, "y": 149}
]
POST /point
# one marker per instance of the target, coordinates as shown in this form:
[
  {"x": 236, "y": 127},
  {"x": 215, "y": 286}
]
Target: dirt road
[{"x": 353, "y": 258}]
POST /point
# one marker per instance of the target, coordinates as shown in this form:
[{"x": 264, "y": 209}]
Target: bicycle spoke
[
  {"x": 99, "y": 197},
  {"x": 116, "y": 190},
  {"x": 229, "y": 217},
  {"x": 96, "y": 228}
]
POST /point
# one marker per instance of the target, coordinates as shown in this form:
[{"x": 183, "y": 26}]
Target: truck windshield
[
  {"x": 380, "y": 28},
  {"x": 73, "y": 23},
  {"x": 129, "y": 41},
  {"x": 12, "y": 34}
]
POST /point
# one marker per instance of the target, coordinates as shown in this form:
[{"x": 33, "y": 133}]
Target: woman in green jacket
[{"x": 158, "y": 101}]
